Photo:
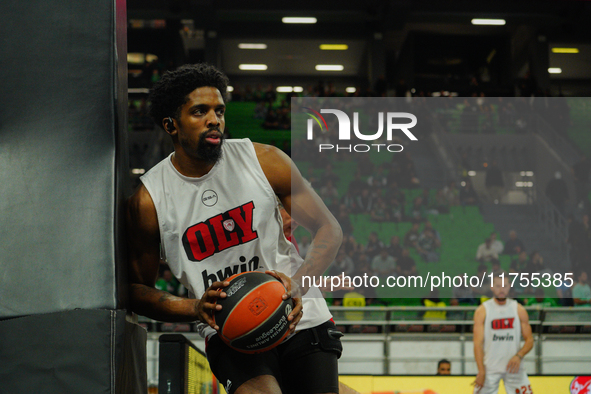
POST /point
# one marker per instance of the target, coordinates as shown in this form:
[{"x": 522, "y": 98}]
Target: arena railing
[
  {"x": 555, "y": 323},
  {"x": 563, "y": 328}
]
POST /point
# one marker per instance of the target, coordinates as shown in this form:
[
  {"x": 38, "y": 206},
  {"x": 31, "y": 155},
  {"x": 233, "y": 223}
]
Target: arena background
[{"x": 64, "y": 188}]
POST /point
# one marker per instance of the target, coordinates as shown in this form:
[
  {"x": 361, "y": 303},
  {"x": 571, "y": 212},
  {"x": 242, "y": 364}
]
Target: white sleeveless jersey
[
  {"x": 502, "y": 334},
  {"x": 223, "y": 223}
]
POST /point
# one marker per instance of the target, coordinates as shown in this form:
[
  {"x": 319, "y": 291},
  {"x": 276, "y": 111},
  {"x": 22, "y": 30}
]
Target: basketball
[{"x": 254, "y": 315}]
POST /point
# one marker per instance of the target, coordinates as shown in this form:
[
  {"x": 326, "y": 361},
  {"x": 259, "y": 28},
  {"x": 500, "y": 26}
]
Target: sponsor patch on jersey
[{"x": 209, "y": 198}]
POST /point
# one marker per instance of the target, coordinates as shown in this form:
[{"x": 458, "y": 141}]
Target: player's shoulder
[
  {"x": 265, "y": 150},
  {"x": 521, "y": 311},
  {"x": 270, "y": 157},
  {"x": 480, "y": 312},
  {"x": 140, "y": 201}
]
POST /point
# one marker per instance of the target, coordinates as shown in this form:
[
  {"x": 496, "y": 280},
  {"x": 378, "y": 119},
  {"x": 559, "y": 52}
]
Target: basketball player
[
  {"x": 499, "y": 324},
  {"x": 210, "y": 208}
]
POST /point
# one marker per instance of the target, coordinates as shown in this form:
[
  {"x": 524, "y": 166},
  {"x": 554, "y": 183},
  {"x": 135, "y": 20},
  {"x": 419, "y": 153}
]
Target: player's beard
[
  {"x": 501, "y": 299},
  {"x": 203, "y": 150}
]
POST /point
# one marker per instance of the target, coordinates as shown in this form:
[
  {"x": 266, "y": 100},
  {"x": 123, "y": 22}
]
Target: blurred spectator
[
  {"x": 304, "y": 245},
  {"x": 381, "y": 212},
  {"x": 364, "y": 202},
  {"x": 349, "y": 200},
  {"x": 521, "y": 262},
  {"x": 557, "y": 192},
  {"x": 374, "y": 245},
  {"x": 342, "y": 264},
  {"x": 582, "y": 291},
  {"x": 406, "y": 265},
  {"x": 394, "y": 196},
  {"x": 581, "y": 171},
  {"x": 167, "y": 282},
  {"x": 440, "y": 203},
  {"x": 417, "y": 211},
  {"x": 395, "y": 248},
  {"x": 379, "y": 177},
  {"x": 429, "y": 225},
  {"x": 514, "y": 245},
  {"x": 349, "y": 245},
  {"x": 260, "y": 110},
  {"x": 383, "y": 264},
  {"x": 565, "y": 295},
  {"x": 486, "y": 252},
  {"x": 495, "y": 185},
  {"x": 428, "y": 245},
  {"x": 271, "y": 119},
  {"x": 535, "y": 263},
  {"x": 412, "y": 236},
  {"x": 452, "y": 194},
  {"x": 444, "y": 367},
  {"x": 270, "y": 95},
  {"x": 344, "y": 220},
  {"x": 495, "y": 243},
  {"x": 329, "y": 191},
  {"x": 464, "y": 294},
  {"x": 468, "y": 195},
  {"x": 540, "y": 300},
  {"x": 579, "y": 239},
  {"x": 433, "y": 301}
]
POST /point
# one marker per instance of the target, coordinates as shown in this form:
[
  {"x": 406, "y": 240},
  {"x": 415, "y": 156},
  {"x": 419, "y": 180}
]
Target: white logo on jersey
[{"x": 229, "y": 224}]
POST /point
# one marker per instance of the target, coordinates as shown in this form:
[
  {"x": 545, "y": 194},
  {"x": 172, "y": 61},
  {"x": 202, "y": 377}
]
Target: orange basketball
[{"x": 254, "y": 315}]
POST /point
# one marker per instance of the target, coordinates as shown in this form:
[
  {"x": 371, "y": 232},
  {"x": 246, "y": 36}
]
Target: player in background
[{"x": 499, "y": 324}]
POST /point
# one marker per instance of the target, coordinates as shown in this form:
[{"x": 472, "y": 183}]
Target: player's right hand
[
  {"x": 478, "y": 382},
  {"x": 207, "y": 304}
]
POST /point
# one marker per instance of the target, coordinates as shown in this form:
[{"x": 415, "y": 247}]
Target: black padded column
[{"x": 63, "y": 177}]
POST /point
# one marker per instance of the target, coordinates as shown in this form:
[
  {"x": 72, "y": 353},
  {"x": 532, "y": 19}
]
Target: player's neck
[
  {"x": 500, "y": 302},
  {"x": 190, "y": 167}
]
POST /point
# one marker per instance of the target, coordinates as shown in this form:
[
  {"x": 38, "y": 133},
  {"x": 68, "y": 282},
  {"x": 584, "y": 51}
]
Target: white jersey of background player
[{"x": 499, "y": 324}]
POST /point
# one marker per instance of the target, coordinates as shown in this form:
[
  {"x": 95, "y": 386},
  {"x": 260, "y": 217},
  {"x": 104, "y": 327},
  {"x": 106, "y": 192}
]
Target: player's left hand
[
  {"x": 296, "y": 314},
  {"x": 514, "y": 363}
]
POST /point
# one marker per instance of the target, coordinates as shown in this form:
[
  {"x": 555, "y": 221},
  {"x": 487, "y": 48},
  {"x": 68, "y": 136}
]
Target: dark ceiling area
[{"x": 425, "y": 42}]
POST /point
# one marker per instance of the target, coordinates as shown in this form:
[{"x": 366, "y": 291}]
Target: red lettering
[
  {"x": 205, "y": 248},
  {"x": 220, "y": 234},
  {"x": 502, "y": 324},
  {"x": 245, "y": 223}
]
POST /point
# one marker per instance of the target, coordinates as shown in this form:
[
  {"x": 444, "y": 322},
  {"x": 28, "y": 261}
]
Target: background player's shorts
[
  {"x": 304, "y": 364},
  {"x": 515, "y": 383}
]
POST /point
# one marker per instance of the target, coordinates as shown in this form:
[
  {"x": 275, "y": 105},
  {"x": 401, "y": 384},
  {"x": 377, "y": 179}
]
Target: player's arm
[
  {"x": 479, "y": 317},
  {"x": 143, "y": 237},
  {"x": 305, "y": 207},
  {"x": 515, "y": 362}
]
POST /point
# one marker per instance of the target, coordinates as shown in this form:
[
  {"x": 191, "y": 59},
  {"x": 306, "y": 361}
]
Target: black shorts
[{"x": 304, "y": 364}]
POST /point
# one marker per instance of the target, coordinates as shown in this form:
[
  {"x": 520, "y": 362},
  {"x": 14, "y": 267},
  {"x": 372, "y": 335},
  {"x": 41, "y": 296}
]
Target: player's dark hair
[
  {"x": 170, "y": 93},
  {"x": 443, "y": 361}
]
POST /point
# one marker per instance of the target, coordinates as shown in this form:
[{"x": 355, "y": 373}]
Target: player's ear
[{"x": 169, "y": 125}]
